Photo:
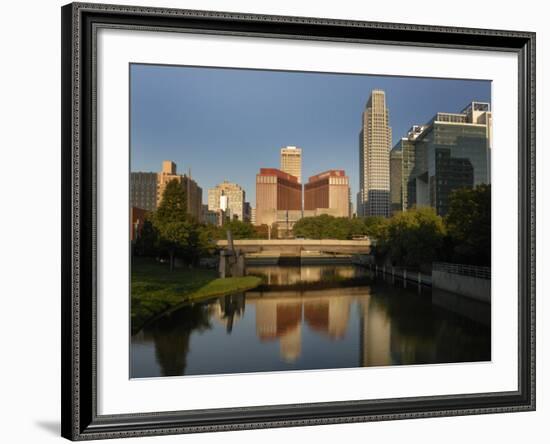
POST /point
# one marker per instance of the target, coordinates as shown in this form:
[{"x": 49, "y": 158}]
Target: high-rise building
[
  {"x": 278, "y": 197},
  {"x": 167, "y": 174},
  {"x": 229, "y": 198},
  {"x": 291, "y": 161},
  {"x": 328, "y": 193},
  {"x": 210, "y": 217},
  {"x": 143, "y": 191},
  {"x": 147, "y": 188},
  {"x": 247, "y": 212},
  {"x": 396, "y": 160},
  {"x": 374, "y": 158},
  {"x": 410, "y": 156},
  {"x": 452, "y": 151},
  {"x": 193, "y": 192},
  {"x": 253, "y": 215},
  {"x": 169, "y": 167}
]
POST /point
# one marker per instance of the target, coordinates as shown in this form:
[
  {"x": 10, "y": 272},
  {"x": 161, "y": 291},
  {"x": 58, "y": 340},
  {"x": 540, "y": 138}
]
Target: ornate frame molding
[{"x": 79, "y": 413}]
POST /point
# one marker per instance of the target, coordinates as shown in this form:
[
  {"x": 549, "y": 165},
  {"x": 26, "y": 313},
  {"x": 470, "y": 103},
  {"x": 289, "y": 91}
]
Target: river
[{"x": 313, "y": 317}]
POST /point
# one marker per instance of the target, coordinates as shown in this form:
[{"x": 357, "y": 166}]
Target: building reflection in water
[
  {"x": 291, "y": 275},
  {"x": 280, "y": 316},
  {"x": 334, "y": 327},
  {"x": 375, "y": 334},
  {"x": 280, "y": 319}
]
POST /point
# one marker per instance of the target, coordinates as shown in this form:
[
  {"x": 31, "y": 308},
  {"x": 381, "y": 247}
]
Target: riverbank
[{"x": 156, "y": 289}]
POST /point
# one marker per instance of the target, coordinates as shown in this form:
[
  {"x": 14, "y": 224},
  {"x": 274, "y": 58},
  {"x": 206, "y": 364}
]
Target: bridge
[{"x": 310, "y": 251}]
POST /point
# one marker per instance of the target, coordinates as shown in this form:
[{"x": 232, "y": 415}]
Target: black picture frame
[{"x": 79, "y": 385}]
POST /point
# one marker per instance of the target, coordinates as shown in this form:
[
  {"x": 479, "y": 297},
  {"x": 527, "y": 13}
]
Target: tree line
[
  {"x": 412, "y": 238},
  {"x": 419, "y": 236}
]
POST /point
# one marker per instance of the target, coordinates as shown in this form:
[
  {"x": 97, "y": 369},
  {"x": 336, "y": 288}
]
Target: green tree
[
  {"x": 208, "y": 234},
  {"x": 177, "y": 231},
  {"x": 376, "y": 226},
  {"x": 312, "y": 227},
  {"x": 239, "y": 229},
  {"x": 414, "y": 237},
  {"x": 327, "y": 227},
  {"x": 469, "y": 225},
  {"x": 146, "y": 243},
  {"x": 357, "y": 227},
  {"x": 330, "y": 227}
]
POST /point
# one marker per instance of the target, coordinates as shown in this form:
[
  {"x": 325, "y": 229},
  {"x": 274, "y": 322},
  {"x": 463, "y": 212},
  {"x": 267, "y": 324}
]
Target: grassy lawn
[{"x": 156, "y": 289}]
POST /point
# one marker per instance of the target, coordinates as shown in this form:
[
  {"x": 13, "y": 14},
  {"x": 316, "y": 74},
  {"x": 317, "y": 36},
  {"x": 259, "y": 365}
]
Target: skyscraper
[
  {"x": 452, "y": 151},
  {"x": 374, "y": 158},
  {"x": 328, "y": 193},
  {"x": 228, "y": 197},
  {"x": 410, "y": 156},
  {"x": 278, "y": 199},
  {"x": 167, "y": 174},
  {"x": 291, "y": 161},
  {"x": 396, "y": 173},
  {"x": 253, "y": 215},
  {"x": 143, "y": 190}
]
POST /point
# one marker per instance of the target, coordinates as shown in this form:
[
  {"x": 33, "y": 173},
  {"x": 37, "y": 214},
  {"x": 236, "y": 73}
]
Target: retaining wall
[{"x": 473, "y": 287}]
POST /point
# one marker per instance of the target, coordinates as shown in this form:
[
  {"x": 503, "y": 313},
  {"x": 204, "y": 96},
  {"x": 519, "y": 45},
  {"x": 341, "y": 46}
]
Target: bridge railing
[
  {"x": 463, "y": 270},
  {"x": 297, "y": 242}
]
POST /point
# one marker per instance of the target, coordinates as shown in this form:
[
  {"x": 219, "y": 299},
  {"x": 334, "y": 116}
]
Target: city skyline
[{"x": 184, "y": 114}]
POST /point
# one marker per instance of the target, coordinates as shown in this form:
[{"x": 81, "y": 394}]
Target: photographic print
[
  {"x": 273, "y": 221},
  {"x": 284, "y": 220}
]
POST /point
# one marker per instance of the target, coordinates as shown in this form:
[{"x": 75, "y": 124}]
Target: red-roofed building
[
  {"x": 276, "y": 191},
  {"x": 329, "y": 193}
]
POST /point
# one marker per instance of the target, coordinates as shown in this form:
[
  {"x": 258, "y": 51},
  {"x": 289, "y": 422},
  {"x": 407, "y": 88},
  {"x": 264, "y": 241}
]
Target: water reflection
[
  {"x": 286, "y": 326},
  {"x": 291, "y": 275},
  {"x": 171, "y": 338},
  {"x": 228, "y": 310},
  {"x": 280, "y": 315}
]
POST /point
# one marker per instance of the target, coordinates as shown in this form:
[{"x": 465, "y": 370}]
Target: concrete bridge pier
[
  {"x": 231, "y": 260},
  {"x": 231, "y": 264}
]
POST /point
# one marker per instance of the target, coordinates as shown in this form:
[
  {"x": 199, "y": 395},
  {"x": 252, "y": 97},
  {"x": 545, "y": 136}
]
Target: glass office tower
[{"x": 452, "y": 151}]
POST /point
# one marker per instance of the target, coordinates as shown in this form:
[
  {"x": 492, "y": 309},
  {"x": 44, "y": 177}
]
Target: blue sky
[{"x": 226, "y": 124}]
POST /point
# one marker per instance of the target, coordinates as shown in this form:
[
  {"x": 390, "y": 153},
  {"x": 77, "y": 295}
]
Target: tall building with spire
[
  {"x": 291, "y": 161},
  {"x": 374, "y": 158}
]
